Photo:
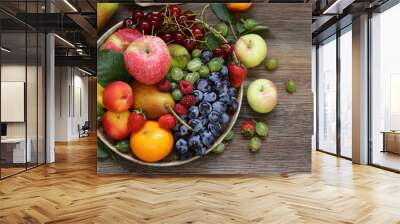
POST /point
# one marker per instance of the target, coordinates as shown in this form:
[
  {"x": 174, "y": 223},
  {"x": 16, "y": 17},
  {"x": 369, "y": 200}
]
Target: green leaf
[
  {"x": 102, "y": 152},
  {"x": 110, "y": 67},
  {"x": 222, "y": 12},
  {"x": 212, "y": 41},
  {"x": 240, "y": 28},
  {"x": 230, "y": 38}
]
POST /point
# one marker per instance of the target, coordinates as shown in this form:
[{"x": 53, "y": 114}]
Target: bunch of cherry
[{"x": 172, "y": 25}]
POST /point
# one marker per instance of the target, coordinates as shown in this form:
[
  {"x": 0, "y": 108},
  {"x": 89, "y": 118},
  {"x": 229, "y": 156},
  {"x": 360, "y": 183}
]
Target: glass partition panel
[
  {"x": 346, "y": 92},
  {"x": 31, "y": 97},
  {"x": 327, "y": 95},
  {"x": 385, "y": 89},
  {"x": 15, "y": 152}
]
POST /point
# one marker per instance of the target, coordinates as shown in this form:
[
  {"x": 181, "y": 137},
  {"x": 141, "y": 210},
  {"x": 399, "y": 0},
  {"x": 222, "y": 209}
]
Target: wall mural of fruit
[{"x": 171, "y": 84}]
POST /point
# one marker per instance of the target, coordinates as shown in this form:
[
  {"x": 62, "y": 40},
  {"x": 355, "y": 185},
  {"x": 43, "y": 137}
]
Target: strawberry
[
  {"x": 180, "y": 109},
  {"x": 237, "y": 74},
  {"x": 188, "y": 100},
  {"x": 167, "y": 121},
  {"x": 164, "y": 86},
  {"x": 136, "y": 121},
  {"x": 186, "y": 87},
  {"x": 248, "y": 128}
]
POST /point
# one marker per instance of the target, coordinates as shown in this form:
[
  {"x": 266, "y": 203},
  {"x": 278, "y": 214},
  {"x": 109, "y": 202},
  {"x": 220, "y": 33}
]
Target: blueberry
[
  {"x": 195, "y": 142},
  {"x": 214, "y": 116},
  {"x": 200, "y": 151},
  {"x": 198, "y": 94},
  {"x": 224, "y": 97},
  {"x": 183, "y": 130},
  {"x": 219, "y": 86},
  {"x": 185, "y": 118},
  {"x": 214, "y": 128},
  {"x": 210, "y": 97},
  {"x": 202, "y": 85},
  {"x": 196, "y": 125},
  {"x": 204, "y": 120},
  {"x": 224, "y": 71},
  {"x": 206, "y": 56},
  {"x": 193, "y": 112},
  {"x": 176, "y": 135},
  {"x": 232, "y": 92},
  {"x": 225, "y": 82},
  {"x": 205, "y": 108},
  {"x": 181, "y": 146},
  {"x": 214, "y": 77},
  {"x": 207, "y": 138},
  {"x": 233, "y": 105},
  {"x": 225, "y": 118},
  {"x": 219, "y": 106},
  {"x": 185, "y": 156},
  {"x": 223, "y": 90}
]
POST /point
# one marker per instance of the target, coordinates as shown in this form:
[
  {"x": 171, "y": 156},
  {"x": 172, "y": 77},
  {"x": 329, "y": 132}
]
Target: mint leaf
[
  {"x": 111, "y": 67},
  {"x": 240, "y": 28},
  {"x": 212, "y": 41},
  {"x": 222, "y": 12},
  {"x": 101, "y": 150}
]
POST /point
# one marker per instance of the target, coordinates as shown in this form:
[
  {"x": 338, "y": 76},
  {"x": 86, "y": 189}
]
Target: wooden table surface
[{"x": 287, "y": 149}]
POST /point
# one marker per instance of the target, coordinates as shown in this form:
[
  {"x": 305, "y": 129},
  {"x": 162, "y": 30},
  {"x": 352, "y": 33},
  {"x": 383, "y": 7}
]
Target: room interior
[{"x": 48, "y": 92}]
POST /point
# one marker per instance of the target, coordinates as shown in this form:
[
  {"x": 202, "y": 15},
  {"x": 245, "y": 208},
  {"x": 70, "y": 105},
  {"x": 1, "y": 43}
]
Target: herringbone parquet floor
[{"x": 69, "y": 191}]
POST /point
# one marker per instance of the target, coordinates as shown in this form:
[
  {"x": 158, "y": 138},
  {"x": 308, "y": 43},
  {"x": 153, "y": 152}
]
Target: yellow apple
[{"x": 251, "y": 50}]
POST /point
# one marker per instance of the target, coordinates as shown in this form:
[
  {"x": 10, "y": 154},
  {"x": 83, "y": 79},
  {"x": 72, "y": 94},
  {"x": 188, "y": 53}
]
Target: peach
[
  {"x": 115, "y": 125},
  {"x": 118, "y": 97}
]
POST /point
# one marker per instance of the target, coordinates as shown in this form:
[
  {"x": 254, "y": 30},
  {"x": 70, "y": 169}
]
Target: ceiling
[
  {"x": 73, "y": 20},
  {"x": 328, "y": 13}
]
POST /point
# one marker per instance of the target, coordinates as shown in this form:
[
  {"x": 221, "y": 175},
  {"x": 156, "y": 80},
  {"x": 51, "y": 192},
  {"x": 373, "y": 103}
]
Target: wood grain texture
[
  {"x": 287, "y": 148},
  {"x": 70, "y": 191}
]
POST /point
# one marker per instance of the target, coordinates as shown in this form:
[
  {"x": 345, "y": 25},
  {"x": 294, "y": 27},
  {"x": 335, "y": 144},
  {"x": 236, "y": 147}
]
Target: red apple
[
  {"x": 118, "y": 96},
  {"x": 147, "y": 59},
  {"x": 115, "y": 125},
  {"x": 120, "y": 40}
]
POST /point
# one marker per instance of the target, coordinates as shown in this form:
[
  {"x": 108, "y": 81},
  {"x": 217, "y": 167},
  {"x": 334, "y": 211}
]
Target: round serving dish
[{"x": 131, "y": 157}]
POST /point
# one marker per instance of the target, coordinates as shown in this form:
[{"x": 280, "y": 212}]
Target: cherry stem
[
  {"x": 233, "y": 31},
  {"x": 177, "y": 116}
]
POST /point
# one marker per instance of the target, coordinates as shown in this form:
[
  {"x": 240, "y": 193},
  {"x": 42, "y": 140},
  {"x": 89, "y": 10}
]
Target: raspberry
[
  {"x": 180, "y": 109},
  {"x": 167, "y": 121},
  {"x": 164, "y": 86},
  {"x": 136, "y": 121},
  {"x": 188, "y": 100},
  {"x": 186, "y": 87}
]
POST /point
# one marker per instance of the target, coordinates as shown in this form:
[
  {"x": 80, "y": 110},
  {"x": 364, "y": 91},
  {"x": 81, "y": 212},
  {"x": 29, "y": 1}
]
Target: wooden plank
[{"x": 287, "y": 148}]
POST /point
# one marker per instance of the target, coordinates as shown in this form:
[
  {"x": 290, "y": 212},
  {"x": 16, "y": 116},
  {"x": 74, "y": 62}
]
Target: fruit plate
[{"x": 164, "y": 163}]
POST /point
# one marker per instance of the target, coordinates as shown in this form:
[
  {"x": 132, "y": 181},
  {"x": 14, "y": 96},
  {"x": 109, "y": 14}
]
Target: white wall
[{"x": 71, "y": 96}]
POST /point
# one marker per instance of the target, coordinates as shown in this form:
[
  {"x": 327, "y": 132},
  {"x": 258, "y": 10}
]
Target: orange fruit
[
  {"x": 152, "y": 143},
  {"x": 238, "y": 7}
]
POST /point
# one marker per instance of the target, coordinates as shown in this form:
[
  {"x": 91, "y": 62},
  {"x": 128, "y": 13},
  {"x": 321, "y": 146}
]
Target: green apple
[
  {"x": 251, "y": 49},
  {"x": 262, "y": 95},
  {"x": 179, "y": 55}
]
